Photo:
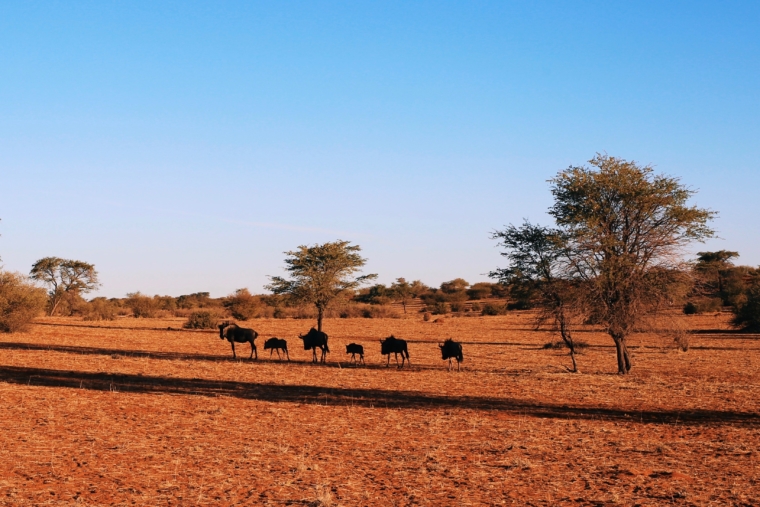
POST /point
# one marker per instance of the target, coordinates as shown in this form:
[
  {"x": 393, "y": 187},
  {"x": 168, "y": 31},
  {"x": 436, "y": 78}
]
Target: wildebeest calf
[
  {"x": 234, "y": 333},
  {"x": 451, "y": 350},
  {"x": 277, "y": 344},
  {"x": 313, "y": 340},
  {"x": 353, "y": 349},
  {"x": 396, "y": 346}
]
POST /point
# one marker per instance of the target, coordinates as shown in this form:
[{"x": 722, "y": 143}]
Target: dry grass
[{"x": 131, "y": 413}]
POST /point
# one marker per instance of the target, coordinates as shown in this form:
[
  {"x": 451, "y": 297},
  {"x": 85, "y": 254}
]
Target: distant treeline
[{"x": 456, "y": 296}]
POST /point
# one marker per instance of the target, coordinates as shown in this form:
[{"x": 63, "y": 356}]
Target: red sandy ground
[{"x": 130, "y": 413}]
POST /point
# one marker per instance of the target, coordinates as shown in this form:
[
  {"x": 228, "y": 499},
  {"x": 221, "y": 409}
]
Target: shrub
[
  {"x": 476, "y": 307},
  {"x": 747, "y": 316},
  {"x": 439, "y": 308},
  {"x": 493, "y": 309},
  {"x": 279, "y": 313},
  {"x": 20, "y": 302},
  {"x": 427, "y": 316},
  {"x": 682, "y": 342},
  {"x": 99, "y": 309},
  {"x": 520, "y": 304},
  {"x": 458, "y": 306},
  {"x": 202, "y": 319},
  {"x": 702, "y": 305},
  {"x": 142, "y": 306},
  {"x": 242, "y": 305}
]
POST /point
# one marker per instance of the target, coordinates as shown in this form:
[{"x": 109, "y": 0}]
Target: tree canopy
[
  {"x": 626, "y": 228},
  {"x": 320, "y": 274},
  {"x": 65, "y": 278}
]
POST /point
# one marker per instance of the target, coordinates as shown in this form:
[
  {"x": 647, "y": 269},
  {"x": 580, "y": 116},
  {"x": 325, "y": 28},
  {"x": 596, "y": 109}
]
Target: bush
[
  {"x": 142, "y": 306},
  {"x": 476, "y": 307},
  {"x": 458, "y": 307},
  {"x": 681, "y": 342},
  {"x": 520, "y": 304},
  {"x": 20, "y": 302},
  {"x": 243, "y": 305},
  {"x": 202, "y": 319},
  {"x": 439, "y": 308},
  {"x": 703, "y": 305},
  {"x": 99, "y": 309},
  {"x": 493, "y": 309},
  {"x": 427, "y": 316},
  {"x": 747, "y": 316}
]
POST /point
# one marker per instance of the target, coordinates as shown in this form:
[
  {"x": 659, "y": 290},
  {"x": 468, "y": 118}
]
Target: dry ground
[{"x": 132, "y": 413}]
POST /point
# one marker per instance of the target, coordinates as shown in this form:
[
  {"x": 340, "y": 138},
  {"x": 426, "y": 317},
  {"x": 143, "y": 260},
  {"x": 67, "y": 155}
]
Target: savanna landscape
[
  {"x": 338, "y": 254},
  {"x": 140, "y": 412}
]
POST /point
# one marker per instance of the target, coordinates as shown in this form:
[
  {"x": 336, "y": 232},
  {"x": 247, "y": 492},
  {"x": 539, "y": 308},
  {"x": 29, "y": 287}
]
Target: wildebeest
[
  {"x": 353, "y": 349},
  {"x": 278, "y": 345},
  {"x": 451, "y": 350},
  {"x": 395, "y": 345},
  {"x": 315, "y": 339},
  {"x": 234, "y": 333}
]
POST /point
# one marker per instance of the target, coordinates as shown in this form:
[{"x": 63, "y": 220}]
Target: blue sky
[{"x": 182, "y": 147}]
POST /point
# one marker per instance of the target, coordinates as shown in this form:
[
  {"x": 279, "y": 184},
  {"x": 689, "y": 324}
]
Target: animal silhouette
[{"x": 236, "y": 334}]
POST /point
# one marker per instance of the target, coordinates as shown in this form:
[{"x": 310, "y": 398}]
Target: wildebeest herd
[{"x": 314, "y": 340}]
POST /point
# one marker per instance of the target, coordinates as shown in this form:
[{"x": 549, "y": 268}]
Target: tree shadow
[{"x": 373, "y": 398}]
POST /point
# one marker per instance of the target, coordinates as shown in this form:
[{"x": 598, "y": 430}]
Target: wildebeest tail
[{"x": 327, "y": 349}]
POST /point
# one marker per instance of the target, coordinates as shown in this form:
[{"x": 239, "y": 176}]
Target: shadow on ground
[{"x": 374, "y": 398}]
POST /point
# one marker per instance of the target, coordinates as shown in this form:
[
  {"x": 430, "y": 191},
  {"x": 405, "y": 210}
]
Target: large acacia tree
[
  {"x": 320, "y": 274},
  {"x": 65, "y": 278},
  {"x": 625, "y": 230}
]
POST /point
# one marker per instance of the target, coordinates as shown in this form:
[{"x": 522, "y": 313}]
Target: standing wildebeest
[
  {"x": 278, "y": 345},
  {"x": 395, "y": 345},
  {"x": 353, "y": 349},
  {"x": 451, "y": 350},
  {"x": 315, "y": 339},
  {"x": 234, "y": 333}
]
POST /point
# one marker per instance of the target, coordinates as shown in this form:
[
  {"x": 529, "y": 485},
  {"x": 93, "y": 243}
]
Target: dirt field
[{"x": 132, "y": 413}]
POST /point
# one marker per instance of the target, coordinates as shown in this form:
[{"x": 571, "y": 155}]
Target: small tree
[
  {"x": 625, "y": 229},
  {"x": 320, "y": 274},
  {"x": 536, "y": 256},
  {"x": 403, "y": 291},
  {"x": 20, "y": 302},
  {"x": 66, "y": 279}
]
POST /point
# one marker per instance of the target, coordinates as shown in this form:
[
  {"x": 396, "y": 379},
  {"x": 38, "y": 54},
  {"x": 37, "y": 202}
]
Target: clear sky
[{"x": 182, "y": 147}]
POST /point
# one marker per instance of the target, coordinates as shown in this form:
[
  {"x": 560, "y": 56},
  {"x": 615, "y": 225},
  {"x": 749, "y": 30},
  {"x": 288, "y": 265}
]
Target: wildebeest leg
[
  {"x": 389, "y": 360},
  {"x": 286, "y": 353},
  {"x": 314, "y": 354},
  {"x": 361, "y": 356},
  {"x": 270, "y": 353},
  {"x": 458, "y": 363},
  {"x": 278, "y": 355},
  {"x": 324, "y": 355},
  {"x": 232, "y": 342}
]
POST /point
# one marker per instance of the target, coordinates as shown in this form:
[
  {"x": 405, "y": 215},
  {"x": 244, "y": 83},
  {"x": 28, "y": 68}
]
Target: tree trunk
[
  {"x": 572, "y": 356},
  {"x": 623, "y": 357},
  {"x": 320, "y": 314},
  {"x": 54, "y": 302}
]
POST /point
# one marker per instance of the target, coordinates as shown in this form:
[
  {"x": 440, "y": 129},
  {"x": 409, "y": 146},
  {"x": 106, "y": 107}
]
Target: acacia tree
[
  {"x": 320, "y": 274},
  {"x": 65, "y": 278},
  {"x": 536, "y": 257},
  {"x": 626, "y": 229}
]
